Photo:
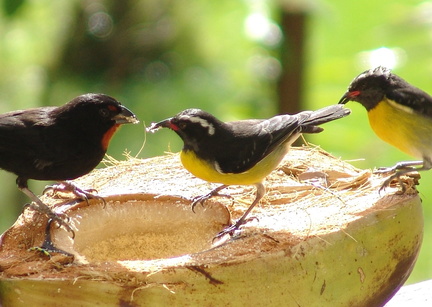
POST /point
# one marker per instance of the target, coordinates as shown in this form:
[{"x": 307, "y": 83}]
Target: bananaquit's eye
[{"x": 182, "y": 125}]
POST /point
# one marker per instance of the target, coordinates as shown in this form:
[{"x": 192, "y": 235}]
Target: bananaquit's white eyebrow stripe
[{"x": 203, "y": 123}]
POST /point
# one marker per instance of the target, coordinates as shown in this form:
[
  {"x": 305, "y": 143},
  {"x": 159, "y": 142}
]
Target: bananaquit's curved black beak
[
  {"x": 345, "y": 98},
  {"x": 348, "y": 96},
  {"x": 125, "y": 117},
  {"x": 166, "y": 123}
]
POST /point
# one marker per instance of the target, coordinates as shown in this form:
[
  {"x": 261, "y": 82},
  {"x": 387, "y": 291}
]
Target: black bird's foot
[
  {"x": 47, "y": 247},
  {"x": 39, "y": 206},
  {"x": 69, "y": 187},
  {"x": 201, "y": 199},
  {"x": 62, "y": 220}
]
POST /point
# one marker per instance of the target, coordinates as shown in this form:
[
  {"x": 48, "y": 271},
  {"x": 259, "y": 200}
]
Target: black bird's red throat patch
[{"x": 108, "y": 135}]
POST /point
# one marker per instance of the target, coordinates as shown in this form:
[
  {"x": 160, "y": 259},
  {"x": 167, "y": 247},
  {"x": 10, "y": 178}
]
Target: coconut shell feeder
[{"x": 323, "y": 227}]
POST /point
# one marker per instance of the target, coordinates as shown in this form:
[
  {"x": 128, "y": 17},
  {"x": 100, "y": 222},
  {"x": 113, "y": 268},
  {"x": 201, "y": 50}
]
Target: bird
[
  {"x": 399, "y": 113},
  {"x": 240, "y": 152},
  {"x": 59, "y": 143}
]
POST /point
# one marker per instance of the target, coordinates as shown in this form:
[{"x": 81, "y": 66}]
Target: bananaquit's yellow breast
[
  {"x": 401, "y": 127},
  {"x": 257, "y": 173}
]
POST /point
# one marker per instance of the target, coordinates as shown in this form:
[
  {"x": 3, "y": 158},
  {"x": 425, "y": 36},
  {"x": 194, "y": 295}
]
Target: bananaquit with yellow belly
[
  {"x": 240, "y": 152},
  {"x": 399, "y": 113}
]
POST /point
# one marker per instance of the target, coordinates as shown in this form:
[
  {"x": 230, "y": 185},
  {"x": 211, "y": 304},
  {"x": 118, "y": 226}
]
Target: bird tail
[{"x": 310, "y": 120}]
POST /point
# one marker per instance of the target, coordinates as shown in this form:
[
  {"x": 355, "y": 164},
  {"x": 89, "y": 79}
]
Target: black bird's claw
[
  {"x": 47, "y": 246},
  {"x": 61, "y": 222},
  {"x": 66, "y": 186},
  {"x": 53, "y": 217}
]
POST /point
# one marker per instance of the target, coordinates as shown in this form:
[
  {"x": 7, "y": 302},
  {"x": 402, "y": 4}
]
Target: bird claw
[
  {"x": 227, "y": 231},
  {"x": 53, "y": 217},
  {"x": 399, "y": 169},
  {"x": 388, "y": 181},
  {"x": 66, "y": 186},
  {"x": 201, "y": 199},
  {"x": 47, "y": 246},
  {"x": 230, "y": 230}
]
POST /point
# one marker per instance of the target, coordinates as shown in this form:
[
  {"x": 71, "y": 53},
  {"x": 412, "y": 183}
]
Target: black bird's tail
[{"x": 310, "y": 120}]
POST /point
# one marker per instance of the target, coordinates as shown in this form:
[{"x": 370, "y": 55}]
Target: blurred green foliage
[{"x": 161, "y": 56}]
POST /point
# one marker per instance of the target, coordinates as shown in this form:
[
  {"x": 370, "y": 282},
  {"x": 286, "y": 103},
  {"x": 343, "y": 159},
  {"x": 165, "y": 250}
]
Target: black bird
[{"x": 59, "y": 143}]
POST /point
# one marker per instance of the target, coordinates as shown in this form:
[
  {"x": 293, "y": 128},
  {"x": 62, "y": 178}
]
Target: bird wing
[
  {"x": 252, "y": 140},
  {"x": 413, "y": 98},
  {"x": 249, "y": 141},
  {"x": 22, "y": 130},
  {"x": 21, "y": 140}
]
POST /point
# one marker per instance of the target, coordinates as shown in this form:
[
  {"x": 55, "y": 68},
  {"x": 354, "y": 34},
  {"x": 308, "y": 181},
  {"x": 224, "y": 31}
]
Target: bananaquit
[
  {"x": 399, "y": 113},
  {"x": 240, "y": 152}
]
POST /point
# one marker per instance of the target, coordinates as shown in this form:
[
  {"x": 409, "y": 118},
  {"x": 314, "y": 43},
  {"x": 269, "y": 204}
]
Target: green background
[{"x": 159, "y": 57}]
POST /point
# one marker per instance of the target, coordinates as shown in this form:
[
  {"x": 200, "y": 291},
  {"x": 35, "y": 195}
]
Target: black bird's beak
[
  {"x": 166, "y": 123},
  {"x": 125, "y": 117},
  {"x": 348, "y": 96}
]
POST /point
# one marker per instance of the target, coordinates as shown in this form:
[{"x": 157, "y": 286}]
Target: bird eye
[
  {"x": 182, "y": 125},
  {"x": 104, "y": 112}
]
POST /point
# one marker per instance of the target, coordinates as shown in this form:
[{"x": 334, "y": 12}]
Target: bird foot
[
  {"x": 69, "y": 187},
  {"x": 400, "y": 169},
  {"x": 47, "y": 246},
  {"x": 201, "y": 199},
  {"x": 61, "y": 219},
  {"x": 405, "y": 166},
  {"x": 230, "y": 230},
  {"x": 389, "y": 180},
  {"x": 385, "y": 170},
  {"x": 404, "y": 186}
]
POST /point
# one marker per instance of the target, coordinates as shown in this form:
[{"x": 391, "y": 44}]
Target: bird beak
[
  {"x": 348, "y": 96},
  {"x": 125, "y": 117},
  {"x": 162, "y": 124}
]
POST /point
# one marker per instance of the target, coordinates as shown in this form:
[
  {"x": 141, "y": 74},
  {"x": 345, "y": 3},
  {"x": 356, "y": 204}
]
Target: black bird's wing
[
  {"x": 36, "y": 146},
  {"x": 21, "y": 140}
]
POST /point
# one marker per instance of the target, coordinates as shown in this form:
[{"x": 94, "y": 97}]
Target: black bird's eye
[{"x": 104, "y": 112}]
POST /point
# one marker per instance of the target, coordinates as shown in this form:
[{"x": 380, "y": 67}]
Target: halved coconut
[{"x": 323, "y": 236}]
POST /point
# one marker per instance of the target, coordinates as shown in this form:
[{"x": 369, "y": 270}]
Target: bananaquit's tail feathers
[
  {"x": 325, "y": 115},
  {"x": 311, "y": 119}
]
